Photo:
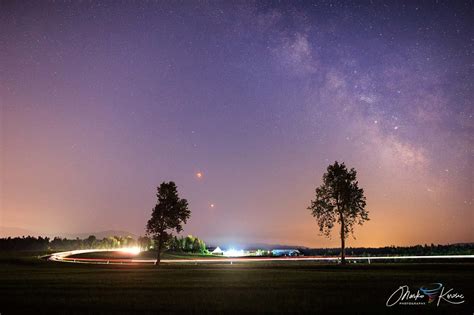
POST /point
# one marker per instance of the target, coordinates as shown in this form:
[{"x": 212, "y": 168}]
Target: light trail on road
[{"x": 65, "y": 257}]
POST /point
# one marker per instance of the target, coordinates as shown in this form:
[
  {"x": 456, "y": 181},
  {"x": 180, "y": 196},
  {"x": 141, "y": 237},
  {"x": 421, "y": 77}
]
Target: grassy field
[{"x": 30, "y": 285}]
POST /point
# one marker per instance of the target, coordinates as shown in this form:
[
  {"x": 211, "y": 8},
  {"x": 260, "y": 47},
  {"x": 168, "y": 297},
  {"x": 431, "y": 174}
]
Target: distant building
[{"x": 286, "y": 252}]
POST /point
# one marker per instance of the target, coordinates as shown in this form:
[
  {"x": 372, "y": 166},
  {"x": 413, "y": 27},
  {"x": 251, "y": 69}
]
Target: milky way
[{"x": 243, "y": 105}]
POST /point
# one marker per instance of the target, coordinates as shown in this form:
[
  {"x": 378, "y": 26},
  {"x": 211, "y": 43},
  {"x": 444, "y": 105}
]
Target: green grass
[{"x": 30, "y": 285}]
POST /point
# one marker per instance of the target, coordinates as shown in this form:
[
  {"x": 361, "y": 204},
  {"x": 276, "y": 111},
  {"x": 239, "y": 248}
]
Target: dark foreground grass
[{"x": 29, "y": 285}]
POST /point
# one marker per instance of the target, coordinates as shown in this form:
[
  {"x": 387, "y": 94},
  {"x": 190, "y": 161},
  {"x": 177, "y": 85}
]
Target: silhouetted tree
[
  {"x": 167, "y": 216},
  {"x": 339, "y": 199}
]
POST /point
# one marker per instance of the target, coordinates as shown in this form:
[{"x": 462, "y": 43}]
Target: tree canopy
[{"x": 168, "y": 215}]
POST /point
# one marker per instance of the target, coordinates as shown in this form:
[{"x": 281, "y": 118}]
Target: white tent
[{"x": 217, "y": 251}]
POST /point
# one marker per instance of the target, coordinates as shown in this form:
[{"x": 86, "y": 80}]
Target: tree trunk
[
  {"x": 343, "y": 241},
  {"x": 158, "y": 254}
]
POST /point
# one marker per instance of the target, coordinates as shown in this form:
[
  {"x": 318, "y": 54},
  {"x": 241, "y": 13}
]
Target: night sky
[{"x": 102, "y": 101}]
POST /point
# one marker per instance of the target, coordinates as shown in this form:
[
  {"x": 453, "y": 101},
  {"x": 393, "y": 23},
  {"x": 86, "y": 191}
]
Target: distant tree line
[
  {"x": 179, "y": 244},
  {"x": 25, "y": 243},
  {"x": 188, "y": 244},
  {"x": 417, "y": 250},
  {"x": 58, "y": 244}
]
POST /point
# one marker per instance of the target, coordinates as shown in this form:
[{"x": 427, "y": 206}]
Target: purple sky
[{"x": 102, "y": 101}]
